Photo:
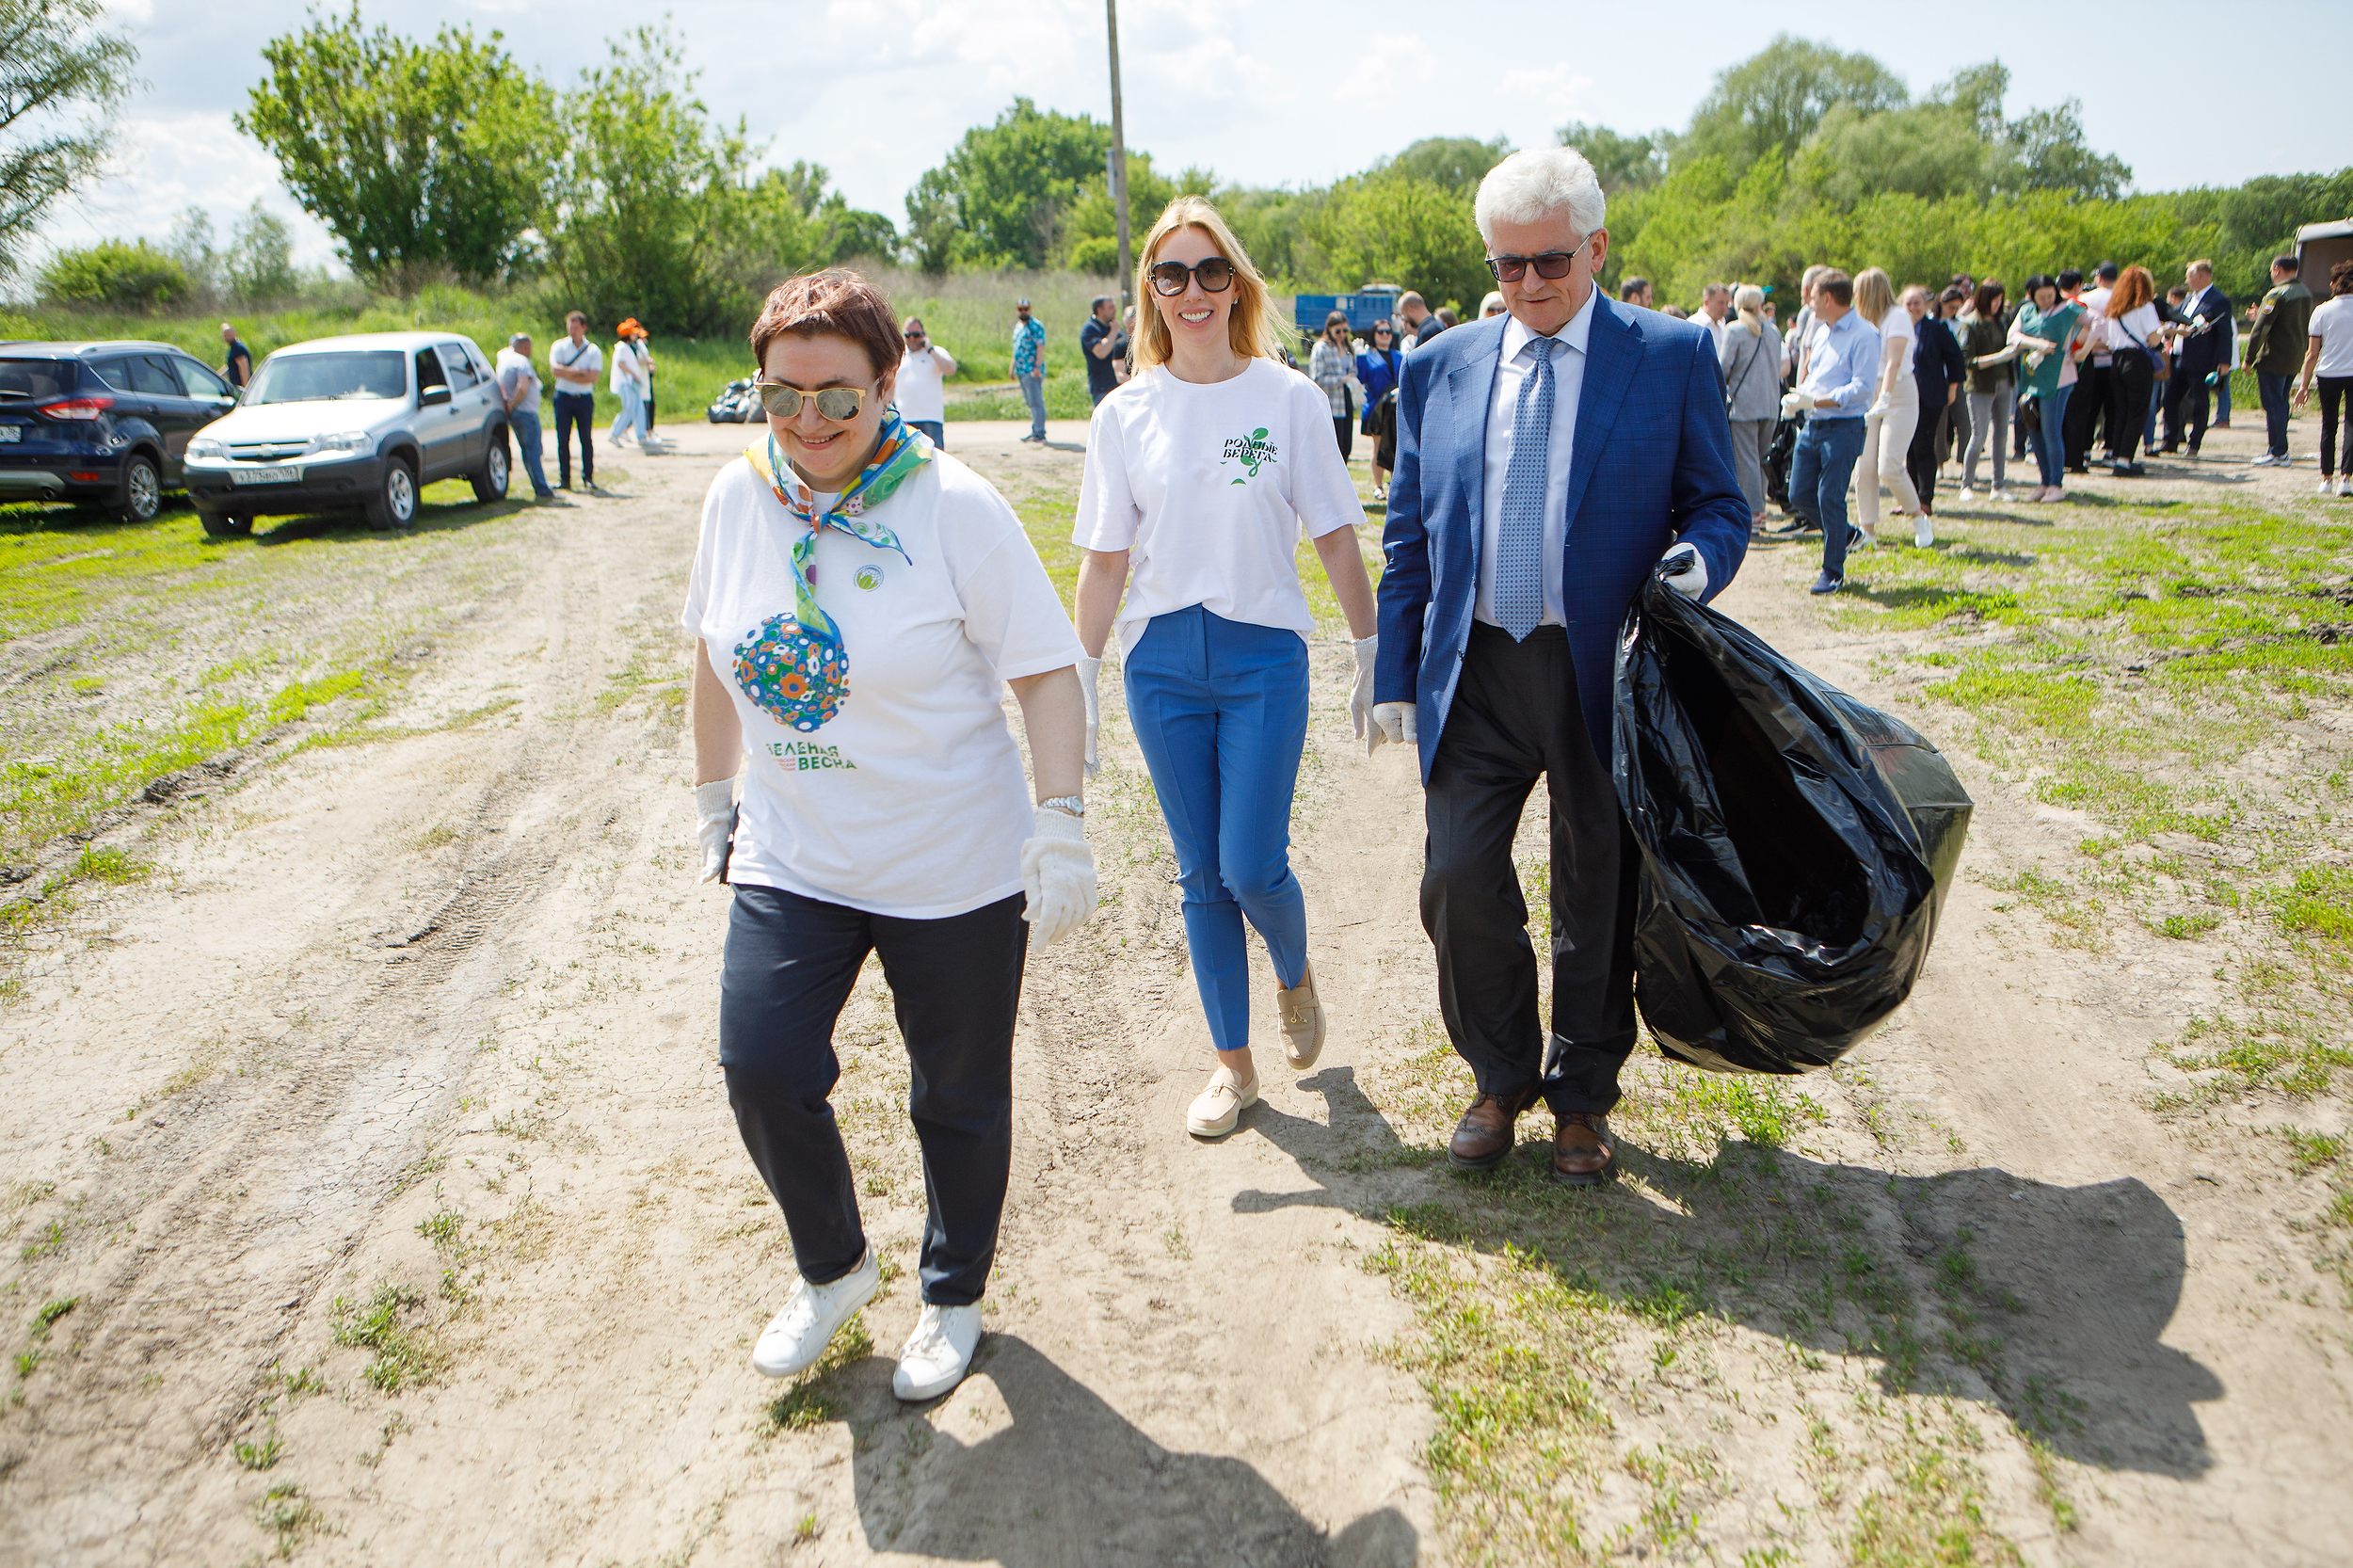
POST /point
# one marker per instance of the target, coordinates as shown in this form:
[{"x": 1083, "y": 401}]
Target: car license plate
[
  {"x": 11, "y": 433},
  {"x": 283, "y": 474}
]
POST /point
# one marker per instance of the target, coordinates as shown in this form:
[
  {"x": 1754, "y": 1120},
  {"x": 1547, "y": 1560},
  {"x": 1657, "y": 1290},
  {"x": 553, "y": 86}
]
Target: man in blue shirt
[
  {"x": 1841, "y": 374},
  {"x": 1101, "y": 344},
  {"x": 1029, "y": 366},
  {"x": 238, "y": 364}
]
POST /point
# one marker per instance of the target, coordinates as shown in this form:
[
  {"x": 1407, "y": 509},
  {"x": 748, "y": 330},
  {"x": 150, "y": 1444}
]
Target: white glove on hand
[
  {"x": 715, "y": 824},
  {"x": 1878, "y": 409},
  {"x": 1089, "y": 669},
  {"x": 1058, "y": 876},
  {"x": 1684, "y": 569},
  {"x": 1392, "y": 721},
  {"x": 1792, "y": 403},
  {"x": 1360, "y": 691}
]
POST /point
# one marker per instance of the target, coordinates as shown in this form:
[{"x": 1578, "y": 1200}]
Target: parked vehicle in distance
[
  {"x": 104, "y": 423},
  {"x": 736, "y": 403},
  {"x": 364, "y": 422}
]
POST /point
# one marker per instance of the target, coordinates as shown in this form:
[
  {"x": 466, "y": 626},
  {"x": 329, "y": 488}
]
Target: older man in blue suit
[{"x": 1548, "y": 462}]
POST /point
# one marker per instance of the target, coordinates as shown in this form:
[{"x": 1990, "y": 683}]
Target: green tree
[
  {"x": 259, "y": 263},
  {"x": 1457, "y": 163},
  {"x": 418, "y": 158},
  {"x": 1620, "y": 161},
  {"x": 1000, "y": 196},
  {"x": 114, "y": 275},
  {"x": 1389, "y": 228},
  {"x": 62, "y": 78},
  {"x": 1771, "y": 102},
  {"x": 1091, "y": 223},
  {"x": 2053, "y": 156},
  {"x": 1926, "y": 150},
  {"x": 651, "y": 205}
]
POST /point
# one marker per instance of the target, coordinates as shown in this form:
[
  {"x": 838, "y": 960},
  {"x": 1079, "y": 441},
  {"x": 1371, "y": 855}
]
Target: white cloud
[
  {"x": 1555, "y": 86},
  {"x": 1388, "y": 63}
]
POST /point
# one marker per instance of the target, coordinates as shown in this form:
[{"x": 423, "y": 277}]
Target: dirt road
[{"x": 379, "y": 1147}]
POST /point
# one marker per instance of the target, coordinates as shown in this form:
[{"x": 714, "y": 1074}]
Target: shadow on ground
[
  {"x": 1049, "y": 1474},
  {"x": 2047, "y": 1301}
]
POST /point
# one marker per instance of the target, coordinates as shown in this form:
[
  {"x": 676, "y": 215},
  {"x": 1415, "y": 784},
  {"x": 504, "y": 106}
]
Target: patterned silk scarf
[{"x": 794, "y": 665}]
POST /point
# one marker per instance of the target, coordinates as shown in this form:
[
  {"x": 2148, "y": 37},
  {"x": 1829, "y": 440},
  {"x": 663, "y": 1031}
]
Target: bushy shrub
[
  {"x": 115, "y": 275},
  {"x": 1098, "y": 254}
]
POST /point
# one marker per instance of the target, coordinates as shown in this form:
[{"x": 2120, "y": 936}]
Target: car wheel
[
  {"x": 142, "y": 494},
  {"x": 396, "y": 503},
  {"x": 222, "y": 526},
  {"x": 489, "y": 482}
]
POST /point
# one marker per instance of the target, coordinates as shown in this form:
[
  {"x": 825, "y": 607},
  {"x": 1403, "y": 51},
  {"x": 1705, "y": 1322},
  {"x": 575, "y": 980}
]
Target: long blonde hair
[
  {"x": 1749, "y": 301},
  {"x": 1874, "y": 294},
  {"x": 1251, "y": 328}
]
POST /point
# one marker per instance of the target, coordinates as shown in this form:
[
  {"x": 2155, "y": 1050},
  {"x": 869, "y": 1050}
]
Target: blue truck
[{"x": 1367, "y": 305}]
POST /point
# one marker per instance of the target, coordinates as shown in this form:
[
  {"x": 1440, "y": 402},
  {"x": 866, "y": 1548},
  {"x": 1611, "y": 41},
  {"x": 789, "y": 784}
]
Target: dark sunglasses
[
  {"x": 1552, "y": 263},
  {"x": 1215, "y": 272},
  {"x": 833, "y": 403}
]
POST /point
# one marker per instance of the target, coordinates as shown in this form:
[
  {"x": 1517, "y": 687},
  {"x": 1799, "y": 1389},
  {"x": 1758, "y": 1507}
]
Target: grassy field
[{"x": 970, "y": 314}]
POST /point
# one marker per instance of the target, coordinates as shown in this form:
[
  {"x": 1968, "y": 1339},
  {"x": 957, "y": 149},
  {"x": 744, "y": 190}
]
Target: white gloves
[
  {"x": 1878, "y": 409},
  {"x": 1792, "y": 403},
  {"x": 1360, "y": 691},
  {"x": 715, "y": 824},
  {"x": 1392, "y": 721},
  {"x": 1057, "y": 875},
  {"x": 1684, "y": 569},
  {"x": 1088, "y": 670}
]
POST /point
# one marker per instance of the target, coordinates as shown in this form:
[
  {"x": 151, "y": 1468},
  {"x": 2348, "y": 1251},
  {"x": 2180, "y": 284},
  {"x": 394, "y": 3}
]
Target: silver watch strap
[{"x": 1072, "y": 804}]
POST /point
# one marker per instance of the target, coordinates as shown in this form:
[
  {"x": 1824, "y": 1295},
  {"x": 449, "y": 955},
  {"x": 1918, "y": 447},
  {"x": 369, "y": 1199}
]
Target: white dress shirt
[{"x": 1568, "y": 385}]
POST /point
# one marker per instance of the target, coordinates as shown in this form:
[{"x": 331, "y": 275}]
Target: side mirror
[{"x": 432, "y": 395}]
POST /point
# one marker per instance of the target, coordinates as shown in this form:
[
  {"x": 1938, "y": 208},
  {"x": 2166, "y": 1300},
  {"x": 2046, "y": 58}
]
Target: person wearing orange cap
[{"x": 630, "y": 379}]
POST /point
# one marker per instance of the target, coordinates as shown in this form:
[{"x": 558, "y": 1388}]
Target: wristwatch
[{"x": 1072, "y": 805}]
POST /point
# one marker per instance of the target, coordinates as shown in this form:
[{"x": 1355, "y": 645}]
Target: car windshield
[
  {"x": 37, "y": 380},
  {"x": 374, "y": 373}
]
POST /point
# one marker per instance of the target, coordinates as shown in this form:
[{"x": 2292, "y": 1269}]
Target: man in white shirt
[
  {"x": 923, "y": 370},
  {"x": 1715, "y": 305},
  {"x": 575, "y": 363},
  {"x": 518, "y": 391}
]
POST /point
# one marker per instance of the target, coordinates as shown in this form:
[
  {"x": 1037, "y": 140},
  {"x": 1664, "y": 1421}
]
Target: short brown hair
[
  {"x": 835, "y": 302},
  {"x": 1836, "y": 284},
  {"x": 581, "y": 316},
  {"x": 2341, "y": 277}
]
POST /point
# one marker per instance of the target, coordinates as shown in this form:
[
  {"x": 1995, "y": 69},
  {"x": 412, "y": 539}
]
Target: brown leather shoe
[
  {"x": 1583, "y": 1154},
  {"x": 1484, "y": 1136}
]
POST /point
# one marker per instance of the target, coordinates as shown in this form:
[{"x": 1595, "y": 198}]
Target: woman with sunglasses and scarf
[
  {"x": 1200, "y": 473},
  {"x": 858, "y": 602}
]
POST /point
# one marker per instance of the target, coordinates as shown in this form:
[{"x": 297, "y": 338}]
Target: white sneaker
[
  {"x": 1923, "y": 531},
  {"x": 1968, "y": 493},
  {"x": 938, "y": 1353},
  {"x": 798, "y": 1336},
  {"x": 2345, "y": 487},
  {"x": 2327, "y": 487},
  {"x": 2266, "y": 460},
  {"x": 1218, "y": 1110}
]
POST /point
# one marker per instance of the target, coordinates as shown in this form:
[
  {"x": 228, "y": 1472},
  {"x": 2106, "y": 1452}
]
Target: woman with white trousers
[{"x": 1888, "y": 427}]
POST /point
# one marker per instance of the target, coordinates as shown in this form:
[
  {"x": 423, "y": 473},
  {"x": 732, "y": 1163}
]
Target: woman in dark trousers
[
  {"x": 1377, "y": 368},
  {"x": 2135, "y": 337},
  {"x": 1334, "y": 368},
  {"x": 859, "y": 603},
  {"x": 1938, "y": 372}
]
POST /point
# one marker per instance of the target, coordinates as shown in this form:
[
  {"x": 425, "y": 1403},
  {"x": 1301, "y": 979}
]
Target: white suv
[{"x": 362, "y": 421}]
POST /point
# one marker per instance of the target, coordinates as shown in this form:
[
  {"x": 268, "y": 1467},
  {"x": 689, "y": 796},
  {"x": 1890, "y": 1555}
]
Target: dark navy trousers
[{"x": 954, "y": 984}]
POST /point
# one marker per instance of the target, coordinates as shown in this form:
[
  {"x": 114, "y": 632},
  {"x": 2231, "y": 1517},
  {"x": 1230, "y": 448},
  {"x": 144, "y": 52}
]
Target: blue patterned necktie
[{"x": 1520, "y": 543}]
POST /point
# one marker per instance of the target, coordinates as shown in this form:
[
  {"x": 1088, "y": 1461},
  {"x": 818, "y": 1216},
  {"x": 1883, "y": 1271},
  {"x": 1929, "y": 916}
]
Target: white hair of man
[{"x": 1531, "y": 186}]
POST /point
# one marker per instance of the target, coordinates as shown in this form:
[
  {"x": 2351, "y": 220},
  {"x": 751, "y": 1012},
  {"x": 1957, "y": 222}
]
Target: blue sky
[{"x": 1268, "y": 92}]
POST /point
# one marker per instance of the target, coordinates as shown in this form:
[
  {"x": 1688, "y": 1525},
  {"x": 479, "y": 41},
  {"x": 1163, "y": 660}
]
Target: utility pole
[{"x": 1119, "y": 161}]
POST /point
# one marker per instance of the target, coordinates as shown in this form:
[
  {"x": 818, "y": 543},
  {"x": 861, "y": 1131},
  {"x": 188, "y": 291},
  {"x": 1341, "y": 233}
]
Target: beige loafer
[
  {"x": 1219, "y": 1108},
  {"x": 1302, "y": 1022}
]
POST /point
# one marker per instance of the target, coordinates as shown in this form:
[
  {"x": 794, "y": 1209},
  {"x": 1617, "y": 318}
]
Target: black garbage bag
[{"x": 1796, "y": 845}]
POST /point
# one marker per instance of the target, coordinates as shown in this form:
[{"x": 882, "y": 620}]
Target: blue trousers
[
  {"x": 2273, "y": 390},
  {"x": 1220, "y": 708},
  {"x": 1034, "y": 393},
  {"x": 2050, "y": 436},
  {"x": 1819, "y": 470},
  {"x": 528, "y": 440}
]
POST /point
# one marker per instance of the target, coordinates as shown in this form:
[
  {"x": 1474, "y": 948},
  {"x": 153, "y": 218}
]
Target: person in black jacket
[
  {"x": 1937, "y": 370},
  {"x": 2202, "y": 324}
]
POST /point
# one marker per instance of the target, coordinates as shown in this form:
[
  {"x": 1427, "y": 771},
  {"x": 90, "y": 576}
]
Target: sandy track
[{"x": 464, "y": 982}]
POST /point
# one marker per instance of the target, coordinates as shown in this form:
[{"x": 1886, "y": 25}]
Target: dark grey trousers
[
  {"x": 1515, "y": 717},
  {"x": 954, "y": 984}
]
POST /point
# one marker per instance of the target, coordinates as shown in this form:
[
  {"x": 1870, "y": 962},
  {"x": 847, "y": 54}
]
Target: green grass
[{"x": 403, "y": 1350}]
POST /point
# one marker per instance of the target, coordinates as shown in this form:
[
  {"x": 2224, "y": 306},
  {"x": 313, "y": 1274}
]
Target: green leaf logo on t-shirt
[{"x": 1249, "y": 450}]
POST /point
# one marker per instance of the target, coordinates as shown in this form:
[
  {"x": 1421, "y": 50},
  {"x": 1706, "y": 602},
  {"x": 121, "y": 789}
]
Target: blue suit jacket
[{"x": 1651, "y": 464}]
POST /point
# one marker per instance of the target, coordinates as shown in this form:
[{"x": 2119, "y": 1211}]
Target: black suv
[{"x": 107, "y": 422}]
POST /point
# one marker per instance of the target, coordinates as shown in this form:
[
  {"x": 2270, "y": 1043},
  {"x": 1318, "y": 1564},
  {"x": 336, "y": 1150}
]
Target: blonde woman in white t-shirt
[
  {"x": 1200, "y": 473},
  {"x": 1893, "y": 415}
]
